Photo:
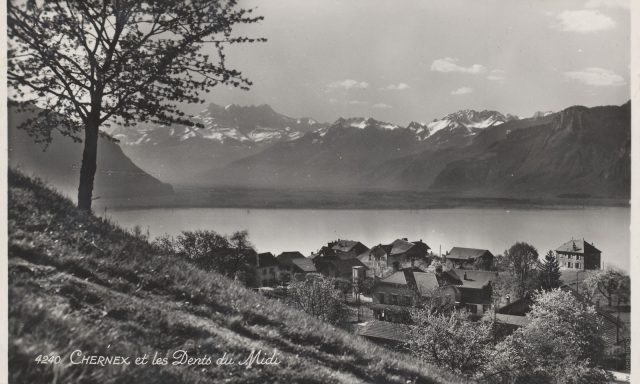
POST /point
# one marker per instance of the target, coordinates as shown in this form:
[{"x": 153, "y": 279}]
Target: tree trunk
[{"x": 89, "y": 164}]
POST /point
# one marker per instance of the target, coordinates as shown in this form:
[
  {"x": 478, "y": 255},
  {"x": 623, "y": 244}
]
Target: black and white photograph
[{"x": 317, "y": 191}]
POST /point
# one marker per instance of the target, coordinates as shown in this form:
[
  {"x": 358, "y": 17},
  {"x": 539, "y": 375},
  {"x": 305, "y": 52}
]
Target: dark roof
[
  {"x": 517, "y": 307},
  {"x": 267, "y": 260},
  {"x": 385, "y": 330},
  {"x": 474, "y": 295},
  {"x": 344, "y": 245},
  {"x": 400, "y": 246},
  {"x": 345, "y": 266},
  {"x": 304, "y": 264},
  {"x": 460, "y": 253},
  {"x": 424, "y": 281},
  {"x": 286, "y": 256},
  {"x": 475, "y": 279},
  {"x": 422, "y": 246},
  {"x": 579, "y": 247},
  {"x": 449, "y": 278}
]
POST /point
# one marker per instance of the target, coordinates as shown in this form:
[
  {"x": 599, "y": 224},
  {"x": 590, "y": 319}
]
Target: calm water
[{"x": 306, "y": 230}]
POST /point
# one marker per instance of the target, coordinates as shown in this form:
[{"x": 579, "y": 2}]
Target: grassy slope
[{"x": 79, "y": 282}]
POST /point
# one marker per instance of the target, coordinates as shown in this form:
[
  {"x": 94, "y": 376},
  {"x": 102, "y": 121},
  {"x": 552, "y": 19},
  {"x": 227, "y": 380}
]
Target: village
[{"x": 383, "y": 283}]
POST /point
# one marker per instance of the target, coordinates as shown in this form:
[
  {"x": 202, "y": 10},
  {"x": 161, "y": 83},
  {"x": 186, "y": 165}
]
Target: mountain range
[
  {"x": 579, "y": 151},
  {"x": 175, "y": 154}
]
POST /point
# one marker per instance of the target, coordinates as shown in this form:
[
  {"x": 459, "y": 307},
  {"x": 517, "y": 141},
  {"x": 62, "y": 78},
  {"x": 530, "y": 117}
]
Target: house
[
  {"x": 267, "y": 269},
  {"x": 295, "y": 263},
  {"x": 384, "y": 333},
  {"x": 348, "y": 247},
  {"x": 394, "y": 295},
  {"x": 578, "y": 255},
  {"x": 303, "y": 265},
  {"x": 475, "y": 290},
  {"x": 343, "y": 249},
  {"x": 399, "y": 254},
  {"x": 287, "y": 256},
  {"x": 468, "y": 258},
  {"x": 335, "y": 267}
]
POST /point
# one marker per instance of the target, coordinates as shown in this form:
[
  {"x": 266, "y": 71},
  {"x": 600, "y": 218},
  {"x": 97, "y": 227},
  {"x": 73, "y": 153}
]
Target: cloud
[
  {"x": 356, "y": 102},
  {"x": 349, "y": 84},
  {"x": 397, "y": 87},
  {"x": 462, "y": 91},
  {"x": 382, "y": 106},
  {"x": 449, "y": 64},
  {"x": 598, "y": 77},
  {"x": 607, "y": 4},
  {"x": 496, "y": 75},
  {"x": 584, "y": 21}
]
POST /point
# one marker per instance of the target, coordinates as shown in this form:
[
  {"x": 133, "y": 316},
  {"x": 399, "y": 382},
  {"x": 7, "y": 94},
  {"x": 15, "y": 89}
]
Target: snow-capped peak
[{"x": 469, "y": 119}]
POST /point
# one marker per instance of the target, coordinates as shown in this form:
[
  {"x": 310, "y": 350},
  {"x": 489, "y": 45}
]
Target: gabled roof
[
  {"x": 579, "y": 247},
  {"x": 305, "y": 264},
  {"x": 475, "y": 279},
  {"x": 422, "y": 246},
  {"x": 267, "y": 260},
  {"x": 400, "y": 246},
  {"x": 385, "y": 330},
  {"x": 423, "y": 281},
  {"x": 344, "y": 245},
  {"x": 286, "y": 256},
  {"x": 460, "y": 253}
]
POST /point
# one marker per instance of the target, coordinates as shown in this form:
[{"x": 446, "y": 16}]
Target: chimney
[
  {"x": 413, "y": 262},
  {"x": 465, "y": 276},
  {"x": 405, "y": 239},
  {"x": 257, "y": 260},
  {"x": 508, "y": 299}
]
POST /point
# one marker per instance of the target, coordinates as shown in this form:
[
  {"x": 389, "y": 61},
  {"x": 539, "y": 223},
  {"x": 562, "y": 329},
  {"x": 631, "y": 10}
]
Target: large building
[{"x": 578, "y": 255}]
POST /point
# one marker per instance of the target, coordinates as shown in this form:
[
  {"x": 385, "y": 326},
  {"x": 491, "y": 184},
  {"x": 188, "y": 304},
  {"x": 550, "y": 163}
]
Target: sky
[{"x": 417, "y": 60}]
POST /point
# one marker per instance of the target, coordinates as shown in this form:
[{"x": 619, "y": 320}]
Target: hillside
[
  {"x": 79, "y": 282},
  {"x": 59, "y": 164}
]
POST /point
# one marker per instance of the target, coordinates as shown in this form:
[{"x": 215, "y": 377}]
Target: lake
[{"x": 306, "y": 230}]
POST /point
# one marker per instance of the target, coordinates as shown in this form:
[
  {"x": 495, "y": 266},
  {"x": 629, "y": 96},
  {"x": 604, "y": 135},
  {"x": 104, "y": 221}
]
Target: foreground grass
[{"x": 80, "y": 282}]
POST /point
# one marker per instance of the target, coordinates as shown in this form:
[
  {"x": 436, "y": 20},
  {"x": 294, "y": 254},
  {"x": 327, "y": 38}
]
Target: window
[
  {"x": 570, "y": 257},
  {"x": 577, "y": 265},
  {"x": 264, "y": 271},
  {"x": 473, "y": 308},
  {"x": 394, "y": 299},
  {"x": 570, "y": 265},
  {"x": 486, "y": 307},
  {"x": 381, "y": 298},
  {"x": 271, "y": 270},
  {"x": 577, "y": 257}
]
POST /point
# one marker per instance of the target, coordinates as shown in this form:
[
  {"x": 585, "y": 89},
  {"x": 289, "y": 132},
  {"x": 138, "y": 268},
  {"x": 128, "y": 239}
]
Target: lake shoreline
[{"x": 350, "y": 200}]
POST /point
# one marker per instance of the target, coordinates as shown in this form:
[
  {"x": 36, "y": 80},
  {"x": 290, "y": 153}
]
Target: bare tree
[{"x": 88, "y": 63}]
